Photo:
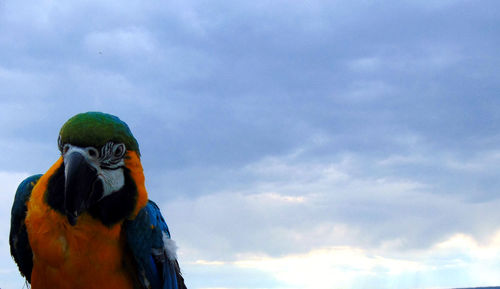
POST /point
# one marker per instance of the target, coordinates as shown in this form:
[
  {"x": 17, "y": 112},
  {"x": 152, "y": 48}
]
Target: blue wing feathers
[
  {"x": 145, "y": 237},
  {"x": 19, "y": 244}
]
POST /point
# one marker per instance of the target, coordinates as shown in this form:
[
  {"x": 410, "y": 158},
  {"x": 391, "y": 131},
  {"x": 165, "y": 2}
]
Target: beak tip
[{"x": 72, "y": 218}]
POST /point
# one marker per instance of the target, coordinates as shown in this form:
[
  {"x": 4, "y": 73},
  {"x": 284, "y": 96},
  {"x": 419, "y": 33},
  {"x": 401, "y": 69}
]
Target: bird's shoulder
[
  {"x": 147, "y": 231},
  {"x": 23, "y": 194},
  {"x": 19, "y": 244},
  {"x": 148, "y": 239}
]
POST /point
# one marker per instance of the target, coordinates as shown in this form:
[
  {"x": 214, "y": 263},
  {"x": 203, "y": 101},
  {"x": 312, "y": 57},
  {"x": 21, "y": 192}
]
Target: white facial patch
[{"x": 112, "y": 180}]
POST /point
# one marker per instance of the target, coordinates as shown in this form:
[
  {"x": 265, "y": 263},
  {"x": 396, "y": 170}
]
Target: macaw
[{"x": 87, "y": 222}]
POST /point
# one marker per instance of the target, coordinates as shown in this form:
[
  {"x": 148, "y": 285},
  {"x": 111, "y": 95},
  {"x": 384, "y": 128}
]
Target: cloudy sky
[{"x": 290, "y": 144}]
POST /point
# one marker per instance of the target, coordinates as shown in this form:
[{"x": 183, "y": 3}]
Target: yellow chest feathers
[{"x": 88, "y": 254}]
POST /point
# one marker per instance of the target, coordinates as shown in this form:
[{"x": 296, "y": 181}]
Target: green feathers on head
[{"x": 96, "y": 129}]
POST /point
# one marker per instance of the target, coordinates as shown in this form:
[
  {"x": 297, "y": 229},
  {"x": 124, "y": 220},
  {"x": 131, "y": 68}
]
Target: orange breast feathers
[{"x": 87, "y": 255}]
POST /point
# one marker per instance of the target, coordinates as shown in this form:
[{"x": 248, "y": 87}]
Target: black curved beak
[{"x": 79, "y": 181}]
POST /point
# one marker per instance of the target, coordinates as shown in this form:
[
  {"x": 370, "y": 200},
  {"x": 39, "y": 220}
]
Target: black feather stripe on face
[
  {"x": 55, "y": 190},
  {"x": 117, "y": 206}
]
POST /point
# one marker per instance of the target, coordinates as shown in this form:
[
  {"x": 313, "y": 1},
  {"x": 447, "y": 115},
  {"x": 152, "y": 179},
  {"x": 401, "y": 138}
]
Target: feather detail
[
  {"x": 170, "y": 247},
  {"x": 149, "y": 241},
  {"x": 133, "y": 163}
]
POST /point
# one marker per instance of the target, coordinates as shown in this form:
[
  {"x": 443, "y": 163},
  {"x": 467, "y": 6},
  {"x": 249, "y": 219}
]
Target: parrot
[{"x": 87, "y": 222}]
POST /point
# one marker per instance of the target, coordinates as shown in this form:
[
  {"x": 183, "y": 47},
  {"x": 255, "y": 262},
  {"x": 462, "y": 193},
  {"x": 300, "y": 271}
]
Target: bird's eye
[
  {"x": 65, "y": 148},
  {"x": 119, "y": 150},
  {"x": 93, "y": 152}
]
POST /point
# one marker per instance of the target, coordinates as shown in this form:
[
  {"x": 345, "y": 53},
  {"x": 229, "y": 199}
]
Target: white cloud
[
  {"x": 335, "y": 267},
  {"x": 354, "y": 267}
]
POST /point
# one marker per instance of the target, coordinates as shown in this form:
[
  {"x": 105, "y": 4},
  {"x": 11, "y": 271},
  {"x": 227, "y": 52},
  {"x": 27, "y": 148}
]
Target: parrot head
[{"x": 94, "y": 147}]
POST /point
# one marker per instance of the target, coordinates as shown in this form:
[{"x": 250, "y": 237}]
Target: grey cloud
[
  {"x": 274, "y": 73},
  {"x": 398, "y": 99}
]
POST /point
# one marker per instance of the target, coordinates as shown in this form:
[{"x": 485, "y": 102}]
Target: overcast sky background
[{"x": 290, "y": 144}]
